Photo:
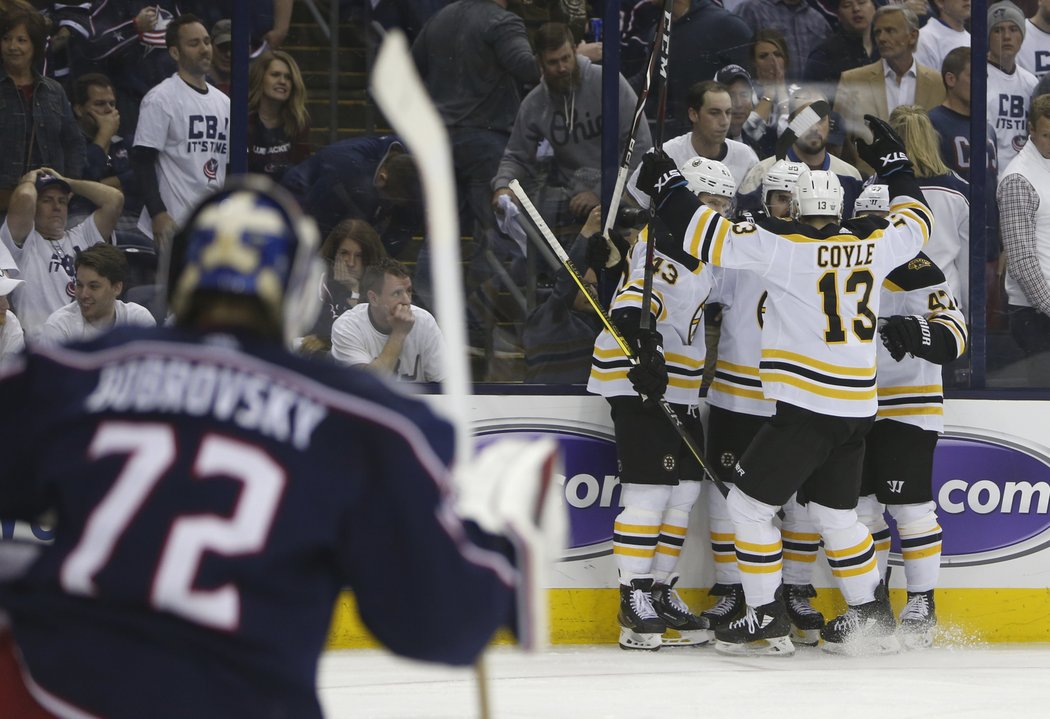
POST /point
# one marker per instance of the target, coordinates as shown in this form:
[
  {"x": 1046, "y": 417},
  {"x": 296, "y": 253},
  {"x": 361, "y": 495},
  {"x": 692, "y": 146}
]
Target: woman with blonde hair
[
  {"x": 278, "y": 122},
  {"x": 946, "y": 194},
  {"x": 351, "y": 247}
]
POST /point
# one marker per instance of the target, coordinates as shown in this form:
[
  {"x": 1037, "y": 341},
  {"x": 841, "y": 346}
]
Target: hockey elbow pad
[
  {"x": 912, "y": 334},
  {"x": 904, "y": 183}
]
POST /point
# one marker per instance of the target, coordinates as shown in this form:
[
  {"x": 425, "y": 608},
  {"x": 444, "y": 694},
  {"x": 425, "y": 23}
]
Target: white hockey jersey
[
  {"x": 679, "y": 298},
  {"x": 910, "y": 391},
  {"x": 736, "y": 386},
  {"x": 819, "y": 339}
]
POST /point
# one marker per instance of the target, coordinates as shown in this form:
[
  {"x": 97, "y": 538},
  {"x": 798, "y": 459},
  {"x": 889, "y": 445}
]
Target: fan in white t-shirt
[
  {"x": 36, "y": 237},
  {"x": 390, "y": 334},
  {"x": 12, "y": 341},
  {"x": 101, "y": 271}
]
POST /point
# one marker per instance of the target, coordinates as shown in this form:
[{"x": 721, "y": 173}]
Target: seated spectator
[
  {"x": 801, "y": 25},
  {"x": 745, "y": 125},
  {"x": 351, "y": 248},
  {"x": 367, "y": 178},
  {"x": 710, "y": 110},
  {"x": 221, "y": 45},
  {"x": 849, "y": 46},
  {"x": 769, "y": 60},
  {"x": 108, "y": 162},
  {"x": 389, "y": 334},
  {"x": 278, "y": 122},
  {"x": 36, "y": 121},
  {"x": 565, "y": 110},
  {"x": 559, "y": 332},
  {"x": 811, "y": 149},
  {"x": 943, "y": 33},
  {"x": 100, "y": 271},
  {"x": 12, "y": 341},
  {"x": 35, "y": 234},
  {"x": 877, "y": 89}
]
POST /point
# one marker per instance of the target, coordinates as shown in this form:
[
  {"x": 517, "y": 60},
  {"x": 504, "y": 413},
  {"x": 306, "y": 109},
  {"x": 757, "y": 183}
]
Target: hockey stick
[
  {"x": 658, "y": 56},
  {"x": 802, "y": 123},
  {"x": 603, "y": 315}
]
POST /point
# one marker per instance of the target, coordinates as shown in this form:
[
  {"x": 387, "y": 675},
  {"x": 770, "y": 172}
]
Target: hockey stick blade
[
  {"x": 539, "y": 223},
  {"x": 802, "y": 123}
]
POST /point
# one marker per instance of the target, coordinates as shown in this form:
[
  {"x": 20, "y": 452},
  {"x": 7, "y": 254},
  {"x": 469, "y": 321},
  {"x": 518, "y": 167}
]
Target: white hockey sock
[
  {"x": 801, "y": 541},
  {"x": 722, "y": 539},
  {"x": 637, "y": 528},
  {"x": 759, "y": 553},
  {"x": 920, "y": 535},
  {"x": 850, "y": 551},
  {"x": 673, "y": 529},
  {"x": 872, "y": 514}
]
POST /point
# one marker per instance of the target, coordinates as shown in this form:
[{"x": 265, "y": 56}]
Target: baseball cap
[
  {"x": 728, "y": 74},
  {"x": 222, "y": 32},
  {"x": 45, "y": 180},
  {"x": 1005, "y": 11},
  {"x": 8, "y": 284}
]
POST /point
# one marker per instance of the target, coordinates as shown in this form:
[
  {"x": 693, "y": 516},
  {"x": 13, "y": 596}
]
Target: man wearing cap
[
  {"x": 35, "y": 234},
  {"x": 11, "y": 339},
  {"x": 745, "y": 125},
  {"x": 221, "y": 43},
  {"x": 1010, "y": 86}
]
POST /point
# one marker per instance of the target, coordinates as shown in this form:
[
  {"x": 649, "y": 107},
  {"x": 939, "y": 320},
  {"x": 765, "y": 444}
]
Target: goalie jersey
[
  {"x": 679, "y": 297},
  {"x": 910, "y": 391},
  {"x": 819, "y": 341},
  {"x": 190, "y": 542}
]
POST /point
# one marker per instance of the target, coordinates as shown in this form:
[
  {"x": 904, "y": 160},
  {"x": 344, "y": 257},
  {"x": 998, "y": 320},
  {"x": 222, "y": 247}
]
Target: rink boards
[{"x": 991, "y": 483}]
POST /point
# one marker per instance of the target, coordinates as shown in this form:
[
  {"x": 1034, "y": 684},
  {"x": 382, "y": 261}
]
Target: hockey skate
[
  {"x": 864, "y": 629},
  {"x": 918, "y": 619},
  {"x": 761, "y": 631},
  {"x": 640, "y": 625},
  {"x": 730, "y": 606},
  {"x": 806, "y": 622},
  {"x": 683, "y": 627}
]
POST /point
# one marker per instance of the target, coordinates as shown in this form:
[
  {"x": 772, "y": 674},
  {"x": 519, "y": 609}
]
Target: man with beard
[
  {"x": 811, "y": 149},
  {"x": 563, "y": 116}
]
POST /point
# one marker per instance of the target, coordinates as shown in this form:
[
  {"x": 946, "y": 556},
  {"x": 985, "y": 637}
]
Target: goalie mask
[
  {"x": 781, "y": 177},
  {"x": 818, "y": 194},
  {"x": 249, "y": 240},
  {"x": 874, "y": 198},
  {"x": 712, "y": 178}
]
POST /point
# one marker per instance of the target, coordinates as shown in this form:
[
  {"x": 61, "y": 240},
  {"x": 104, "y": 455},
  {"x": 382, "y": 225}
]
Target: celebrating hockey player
[
  {"x": 818, "y": 365},
  {"x": 213, "y": 494},
  {"x": 924, "y": 328},
  {"x": 659, "y": 479}
]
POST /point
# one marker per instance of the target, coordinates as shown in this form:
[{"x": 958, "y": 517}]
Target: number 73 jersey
[{"x": 819, "y": 341}]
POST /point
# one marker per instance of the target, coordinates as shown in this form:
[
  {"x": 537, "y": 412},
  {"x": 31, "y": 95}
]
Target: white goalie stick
[
  {"x": 400, "y": 95},
  {"x": 802, "y": 123},
  {"x": 657, "y": 58},
  {"x": 603, "y": 315}
]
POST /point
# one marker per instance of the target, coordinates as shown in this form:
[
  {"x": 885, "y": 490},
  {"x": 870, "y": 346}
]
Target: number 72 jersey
[{"x": 819, "y": 341}]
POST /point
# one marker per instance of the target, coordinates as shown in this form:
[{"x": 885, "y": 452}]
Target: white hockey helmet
[
  {"x": 782, "y": 176},
  {"x": 874, "y": 198},
  {"x": 818, "y": 194},
  {"x": 710, "y": 176}
]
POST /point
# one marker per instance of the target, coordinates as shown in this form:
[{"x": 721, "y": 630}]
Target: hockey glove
[
  {"x": 599, "y": 250},
  {"x": 649, "y": 376},
  {"x": 886, "y": 152},
  {"x": 658, "y": 176},
  {"x": 902, "y": 335}
]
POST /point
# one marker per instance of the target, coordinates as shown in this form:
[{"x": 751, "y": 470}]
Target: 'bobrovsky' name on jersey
[{"x": 252, "y": 402}]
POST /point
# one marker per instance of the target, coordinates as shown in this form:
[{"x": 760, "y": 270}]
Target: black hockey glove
[
  {"x": 649, "y": 376},
  {"x": 904, "y": 334},
  {"x": 598, "y": 249},
  {"x": 658, "y": 176},
  {"x": 886, "y": 152}
]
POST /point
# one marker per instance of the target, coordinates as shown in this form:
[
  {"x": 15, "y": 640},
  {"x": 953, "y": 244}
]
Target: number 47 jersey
[
  {"x": 212, "y": 495},
  {"x": 819, "y": 340}
]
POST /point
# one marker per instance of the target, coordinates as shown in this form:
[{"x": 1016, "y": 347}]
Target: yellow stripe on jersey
[
  {"x": 636, "y": 529},
  {"x": 631, "y": 296},
  {"x": 801, "y": 536},
  {"x": 796, "y": 557},
  {"x": 685, "y": 360},
  {"x": 632, "y": 552},
  {"x": 738, "y": 368},
  {"x": 720, "y": 237},
  {"x": 855, "y": 550},
  {"x": 753, "y": 548},
  {"x": 738, "y": 391},
  {"x": 722, "y": 536},
  {"x": 958, "y": 331},
  {"x": 761, "y": 568},
  {"x": 703, "y": 222},
  {"x": 891, "y": 286},
  {"x": 923, "y": 553},
  {"x": 805, "y": 361},
  {"x": 932, "y": 410},
  {"x": 868, "y": 566},
  {"x": 609, "y": 353},
  {"x": 924, "y": 389},
  {"x": 778, "y": 376}
]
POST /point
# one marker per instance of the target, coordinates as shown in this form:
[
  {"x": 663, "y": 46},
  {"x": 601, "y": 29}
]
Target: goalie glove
[
  {"x": 886, "y": 151},
  {"x": 912, "y": 334},
  {"x": 509, "y": 489},
  {"x": 649, "y": 376},
  {"x": 659, "y": 176}
]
